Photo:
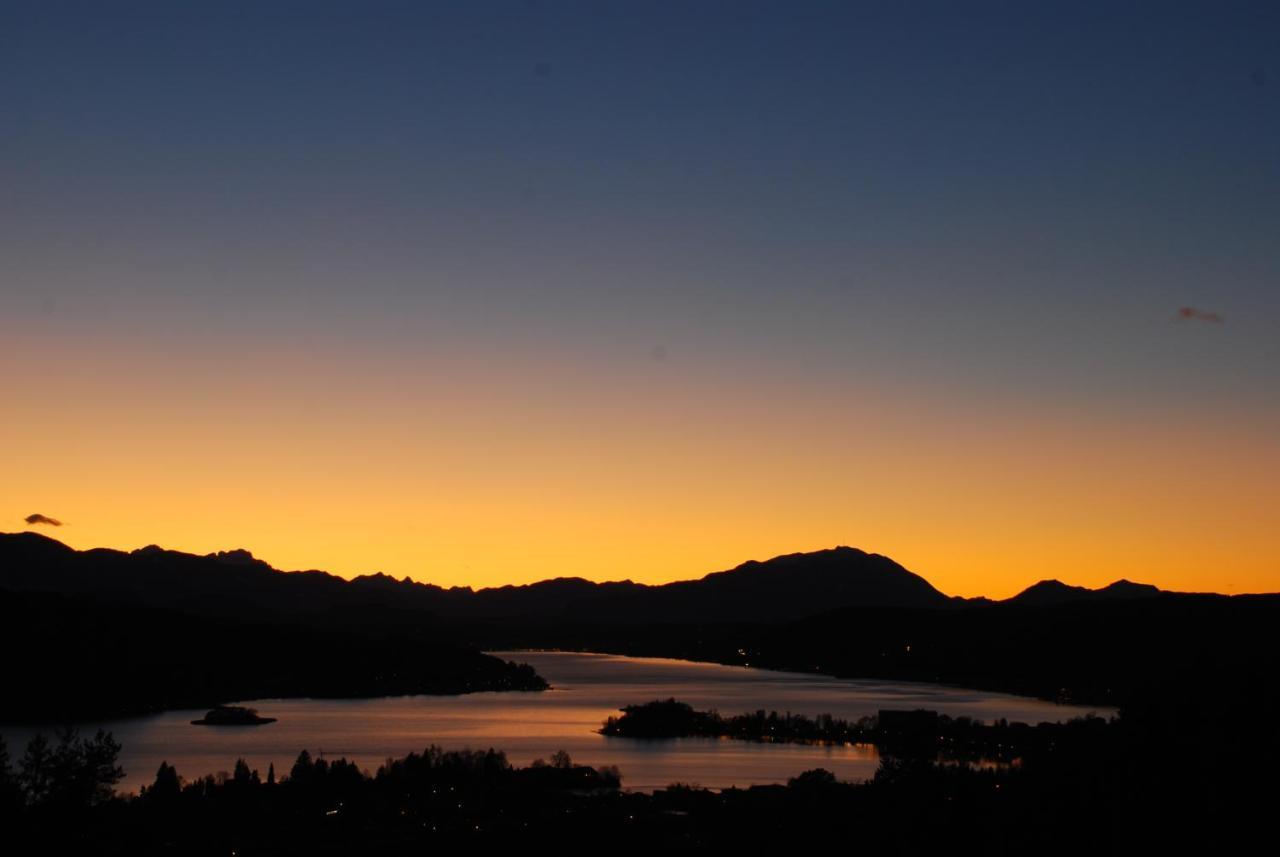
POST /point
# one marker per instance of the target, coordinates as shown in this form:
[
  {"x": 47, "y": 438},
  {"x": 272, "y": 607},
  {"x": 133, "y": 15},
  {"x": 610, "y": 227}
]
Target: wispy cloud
[
  {"x": 42, "y": 519},
  {"x": 1190, "y": 313}
]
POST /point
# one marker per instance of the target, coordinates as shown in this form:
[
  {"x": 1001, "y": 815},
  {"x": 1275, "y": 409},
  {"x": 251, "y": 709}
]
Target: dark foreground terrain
[{"x": 1153, "y": 781}]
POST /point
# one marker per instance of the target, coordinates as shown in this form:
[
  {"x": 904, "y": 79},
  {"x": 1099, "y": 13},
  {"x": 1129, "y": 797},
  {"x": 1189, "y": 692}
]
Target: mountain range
[
  {"x": 106, "y": 631},
  {"x": 235, "y": 583}
]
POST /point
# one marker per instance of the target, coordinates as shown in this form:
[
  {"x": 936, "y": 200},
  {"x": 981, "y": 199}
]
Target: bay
[{"x": 586, "y": 688}]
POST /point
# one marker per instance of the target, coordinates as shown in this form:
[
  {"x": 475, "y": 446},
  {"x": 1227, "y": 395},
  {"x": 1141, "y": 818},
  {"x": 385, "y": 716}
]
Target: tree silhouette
[
  {"x": 77, "y": 773},
  {"x": 167, "y": 785},
  {"x": 10, "y": 791},
  {"x": 33, "y": 772},
  {"x": 302, "y": 768},
  {"x": 815, "y": 778},
  {"x": 84, "y": 772}
]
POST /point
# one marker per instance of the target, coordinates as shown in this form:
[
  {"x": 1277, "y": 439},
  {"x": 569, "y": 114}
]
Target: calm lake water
[{"x": 587, "y": 688}]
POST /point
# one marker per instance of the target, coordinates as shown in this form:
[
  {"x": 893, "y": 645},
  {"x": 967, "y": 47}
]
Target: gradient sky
[{"x": 490, "y": 292}]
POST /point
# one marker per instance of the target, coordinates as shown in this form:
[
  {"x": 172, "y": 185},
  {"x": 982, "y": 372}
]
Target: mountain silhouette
[
  {"x": 1057, "y": 592},
  {"x": 235, "y": 583},
  {"x": 793, "y": 586},
  {"x": 248, "y": 630}
]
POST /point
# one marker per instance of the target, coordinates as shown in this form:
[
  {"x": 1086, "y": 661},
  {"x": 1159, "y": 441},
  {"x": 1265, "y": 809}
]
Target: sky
[{"x": 489, "y": 292}]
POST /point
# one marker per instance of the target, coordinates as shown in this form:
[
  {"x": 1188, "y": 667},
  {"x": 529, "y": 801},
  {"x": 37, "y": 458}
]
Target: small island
[
  {"x": 232, "y": 715},
  {"x": 918, "y": 733}
]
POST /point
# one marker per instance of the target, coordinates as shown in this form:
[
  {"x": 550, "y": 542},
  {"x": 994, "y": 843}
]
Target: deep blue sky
[
  {"x": 1008, "y": 202},
  {"x": 993, "y": 164}
]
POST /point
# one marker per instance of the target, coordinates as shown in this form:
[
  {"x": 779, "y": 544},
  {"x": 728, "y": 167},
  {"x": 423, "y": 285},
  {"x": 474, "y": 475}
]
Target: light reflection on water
[{"x": 587, "y": 688}]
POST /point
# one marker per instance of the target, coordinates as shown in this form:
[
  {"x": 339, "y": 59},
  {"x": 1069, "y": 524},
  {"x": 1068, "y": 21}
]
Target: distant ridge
[
  {"x": 234, "y": 582},
  {"x": 1057, "y": 592},
  {"x": 254, "y": 632},
  {"x": 795, "y": 585}
]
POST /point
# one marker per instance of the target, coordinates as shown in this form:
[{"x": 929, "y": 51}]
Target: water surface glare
[{"x": 587, "y": 688}]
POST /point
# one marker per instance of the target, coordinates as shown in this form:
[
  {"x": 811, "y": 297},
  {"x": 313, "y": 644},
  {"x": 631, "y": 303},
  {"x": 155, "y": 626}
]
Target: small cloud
[
  {"x": 1190, "y": 313},
  {"x": 42, "y": 519}
]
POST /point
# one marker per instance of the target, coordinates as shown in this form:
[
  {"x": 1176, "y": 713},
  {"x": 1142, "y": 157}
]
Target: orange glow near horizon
[
  {"x": 474, "y": 473},
  {"x": 483, "y": 297}
]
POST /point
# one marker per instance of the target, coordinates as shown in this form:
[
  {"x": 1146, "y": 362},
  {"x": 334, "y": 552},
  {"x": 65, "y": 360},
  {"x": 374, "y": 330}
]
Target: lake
[{"x": 587, "y": 688}]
